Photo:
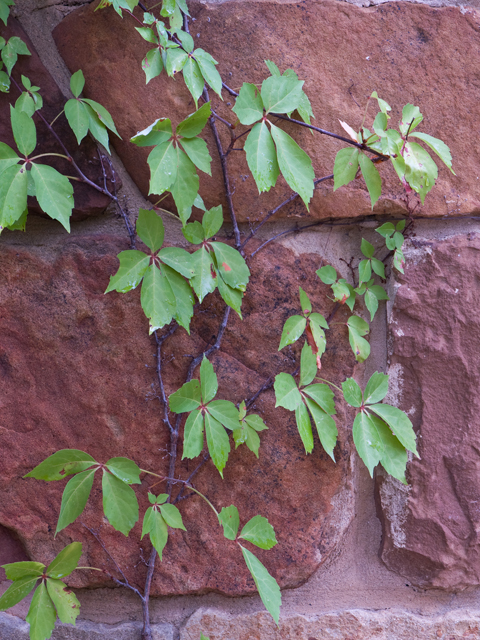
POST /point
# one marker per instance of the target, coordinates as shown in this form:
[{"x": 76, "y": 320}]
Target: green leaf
[
  {"x": 150, "y": 229},
  {"x": 5, "y": 10},
  {"x": 386, "y": 229},
  {"x": 326, "y": 427},
  {"x": 249, "y": 105},
  {"x": 359, "y": 345},
  {"x": 156, "y": 134},
  {"x": 160, "y": 499},
  {"x": 20, "y": 224},
  {"x": 172, "y": 516},
  {"x": 207, "y": 67},
  {"x": 281, "y": 94},
  {"x": 54, "y": 193},
  {"x": 157, "y": 298},
  {"x": 252, "y": 439},
  {"x": 152, "y": 64},
  {"x": 119, "y": 503},
  {"x": 294, "y": 163},
  {"x": 186, "y": 398},
  {"x": 61, "y": 464},
  {"x": 371, "y": 302},
  {"x": 41, "y": 615},
  {"x": 367, "y": 441},
  {"x": 378, "y": 267},
  {"x": 259, "y": 532},
  {"x": 65, "y": 601},
  {"x": 25, "y": 103},
  {"x": 231, "y": 265},
  {"x": 77, "y": 82},
  {"x": 225, "y": 412},
  {"x": 14, "y": 47},
  {"x": 367, "y": 249},
  {"x": 186, "y": 40},
  {"x": 383, "y": 106},
  {"x": 156, "y": 527},
  {"x": 183, "y": 293},
  {"x": 372, "y": 178},
  {"x": 304, "y": 427},
  {"x": 262, "y": 157},
  {"x": 124, "y": 469},
  {"x": 267, "y": 586},
  {"x": 176, "y": 59},
  {"x": 8, "y": 157},
  {"x": 292, "y": 330},
  {"x": 65, "y": 562},
  {"x": 74, "y": 498},
  {"x": 380, "y": 124},
  {"x": 4, "y": 79},
  {"x": 147, "y": 34},
  {"x": 399, "y": 423},
  {"x": 212, "y": 221},
  {"x": 410, "y": 116},
  {"x": 218, "y": 442},
  {"x": 178, "y": 259},
  {"x": 194, "y": 124},
  {"x": 232, "y": 297},
  {"x": 24, "y": 131},
  {"x": 364, "y": 271},
  {"x": 352, "y": 392},
  {"x": 197, "y": 150},
  {"x": 194, "y": 232},
  {"x": 17, "y": 592},
  {"x": 327, "y": 274},
  {"x": 421, "y": 171},
  {"x": 272, "y": 67},
  {"x": 208, "y": 381},
  {"x": 18, "y": 570},
  {"x": 308, "y": 365},
  {"x": 440, "y": 148},
  {"x": 78, "y": 118},
  {"x": 133, "y": 265},
  {"x": 185, "y": 188},
  {"x": 163, "y": 167},
  {"x": 323, "y": 396},
  {"x": 305, "y": 303},
  {"x": 286, "y": 392},
  {"x": 394, "y": 458},
  {"x": 103, "y": 115},
  {"x": 204, "y": 280},
  {"x": 230, "y": 521},
  {"x": 345, "y": 168},
  {"x": 193, "y": 79},
  {"x": 193, "y": 435}
]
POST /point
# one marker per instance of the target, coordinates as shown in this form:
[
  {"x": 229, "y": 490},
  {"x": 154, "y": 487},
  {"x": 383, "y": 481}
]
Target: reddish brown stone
[
  {"x": 407, "y": 52},
  {"x": 88, "y": 201},
  {"x": 431, "y": 529},
  {"x": 77, "y": 371}
]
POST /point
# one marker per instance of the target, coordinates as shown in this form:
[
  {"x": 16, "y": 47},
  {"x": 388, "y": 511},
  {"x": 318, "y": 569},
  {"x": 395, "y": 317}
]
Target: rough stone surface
[
  {"x": 88, "y": 201},
  {"x": 431, "y": 528},
  {"x": 77, "y": 372},
  {"x": 13, "y": 628},
  {"x": 407, "y": 52},
  {"x": 343, "y": 625}
]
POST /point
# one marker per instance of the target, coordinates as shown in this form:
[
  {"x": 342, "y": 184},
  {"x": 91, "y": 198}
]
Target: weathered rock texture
[
  {"x": 342, "y": 625},
  {"x": 88, "y": 201},
  {"x": 77, "y": 371},
  {"x": 407, "y": 52},
  {"x": 431, "y": 528}
]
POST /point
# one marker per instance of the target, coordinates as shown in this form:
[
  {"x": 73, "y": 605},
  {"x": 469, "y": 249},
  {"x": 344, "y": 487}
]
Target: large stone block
[
  {"x": 78, "y": 371},
  {"x": 407, "y": 52},
  {"x": 355, "y": 624},
  {"x": 431, "y": 527}
]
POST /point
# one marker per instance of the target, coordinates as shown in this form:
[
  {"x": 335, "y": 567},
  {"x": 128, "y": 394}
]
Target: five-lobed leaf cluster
[
  {"x": 51, "y": 598},
  {"x": 381, "y": 433},
  {"x": 269, "y": 150},
  {"x": 213, "y": 417},
  {"x": 158, "y": 518}
]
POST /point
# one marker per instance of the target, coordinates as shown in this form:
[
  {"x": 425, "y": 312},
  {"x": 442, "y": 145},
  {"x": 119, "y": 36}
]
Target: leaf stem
[
  {"x": 44, "y": 155},
  {"x": 91, "y": 569},
  {"x": 56, "y": 117},
  {"x": 328, "y": 382}
]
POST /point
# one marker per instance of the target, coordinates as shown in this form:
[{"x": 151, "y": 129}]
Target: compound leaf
[
  {"x": 157, "y": 298},
  {"x": 150, "y": 229}
]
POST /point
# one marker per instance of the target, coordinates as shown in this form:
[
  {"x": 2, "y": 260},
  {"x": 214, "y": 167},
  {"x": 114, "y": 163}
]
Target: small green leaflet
[
  {"x": 304, "y": 426},
  {"x": 345, "y": 167},
  {"x": 286, "y": 392},
  {"x": 119, "y": 503},
  {"x": 292, "y": 330},
  {"x": 249, "y": 105},
  {"x": 281, "y": 94},
  {"x": 61, "y": 464},
  {"x": 367, "y": 440},
  {"x": 217, "y": 441},
  {"x": 262, "y": 157},
  {"x": 259, "y": 532},
  {"x": 5, "y": 10},
  {"x": 230, "y": 521},
  {"x": 267, "y": 585},
  {"x": 41, "y": 615},
  {"x": 12, "y": 49},
  {"x": 85, "y": 115},
  {"x": 54, "y": 193},
  {"x": 156, "y": 527},
  {"x": 371, "y": 177}
]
